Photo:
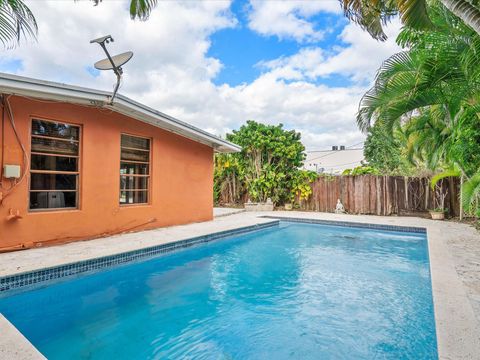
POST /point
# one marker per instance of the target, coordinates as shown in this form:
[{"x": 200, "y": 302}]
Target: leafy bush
[
  {"x": 267, "y": 167},
  {"x": 361, "y": 170}
]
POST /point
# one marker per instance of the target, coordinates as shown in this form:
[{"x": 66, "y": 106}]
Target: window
[
  {"x": 134, "y": 170},
  {"x": 54, "y": 165}
]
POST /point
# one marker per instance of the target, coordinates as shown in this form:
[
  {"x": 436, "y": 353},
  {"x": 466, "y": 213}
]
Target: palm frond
[
  {"x": 430, "y": 73},
  {"x": 471, "y": 190},
  {"x": 141, "y": 9},
  {"x": 16, "y": 21},
  {"x": 413, "y": 13},
  {"x": 445, "y": 174},
  {"x": 372, "y": 16}
]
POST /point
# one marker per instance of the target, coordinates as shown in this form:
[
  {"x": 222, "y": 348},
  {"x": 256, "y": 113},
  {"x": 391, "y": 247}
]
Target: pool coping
[
  {"x": 13, "y": 345},
  {"x": 350, "y": 224},
  {"x": 458, "y": 332},
  {"x": 456, "y": 326}
]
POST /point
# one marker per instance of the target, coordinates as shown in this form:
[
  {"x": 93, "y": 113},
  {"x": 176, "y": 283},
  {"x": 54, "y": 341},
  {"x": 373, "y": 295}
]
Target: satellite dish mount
[{"x": 112, "y": 62}]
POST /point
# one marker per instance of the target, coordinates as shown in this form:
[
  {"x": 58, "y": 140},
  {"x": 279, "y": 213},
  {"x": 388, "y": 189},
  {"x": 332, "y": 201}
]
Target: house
[
  {"x": 334, "y": 161},
  {"x": 76, "y": 167}
]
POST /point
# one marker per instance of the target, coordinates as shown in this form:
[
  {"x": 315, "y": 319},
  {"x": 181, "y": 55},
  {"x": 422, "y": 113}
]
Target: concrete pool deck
[{"x": 454, "y": 251}]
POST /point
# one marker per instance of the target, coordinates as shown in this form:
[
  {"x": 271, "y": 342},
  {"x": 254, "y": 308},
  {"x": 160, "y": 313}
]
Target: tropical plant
[
  {"x": 16, "y": 21},
  {"x": 431, "y": 92},
  {"x": 373, "y": 15},
  {"x": 300, "y": 186},
  {"x": 361, "y": 170},
  {"x": 470, "y": 189},
  {"x": 267, "y": 167},
  {"x": 435, "y": 83},
  {"x": 228, "y": 185},
  {"x": 139, "y": 9},
  {"x": 270, "y": 158},
  {"x": 385, "y": 150},
  {"x": 439, "y": 74},
  {"x": 453, "y": 172},
  {"x": 471, "y": 192}
]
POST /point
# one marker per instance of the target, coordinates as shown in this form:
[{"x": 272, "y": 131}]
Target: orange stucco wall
[{"x": 180, "y": 190}]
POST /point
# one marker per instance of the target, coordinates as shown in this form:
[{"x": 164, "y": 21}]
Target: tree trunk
[{"x": 469, "y": 14}]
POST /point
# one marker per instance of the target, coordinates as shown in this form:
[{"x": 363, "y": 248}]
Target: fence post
[
  {"x": 405, "y": 180},
  {"x": 461, "y": 197},
  {"x": 427, "y": 193}
]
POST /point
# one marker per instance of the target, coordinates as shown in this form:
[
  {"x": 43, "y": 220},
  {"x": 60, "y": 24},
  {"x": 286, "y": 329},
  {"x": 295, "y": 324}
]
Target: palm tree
[
  {"x": 428, "y": 138},
  {"x": 439, "y": 72},
  {"x": 432, "y": 92},
  {"x": 372, "y": 15},
  {"x": 16, "y": 20}
]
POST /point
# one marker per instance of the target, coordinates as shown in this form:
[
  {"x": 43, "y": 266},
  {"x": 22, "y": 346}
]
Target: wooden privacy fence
[{"x": 381, "y": 195}]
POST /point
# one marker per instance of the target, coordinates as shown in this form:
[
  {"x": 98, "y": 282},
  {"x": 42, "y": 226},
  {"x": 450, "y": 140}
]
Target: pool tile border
[
  {"x": 351, "y": 224},
  {"x": 43, "y": 276}
]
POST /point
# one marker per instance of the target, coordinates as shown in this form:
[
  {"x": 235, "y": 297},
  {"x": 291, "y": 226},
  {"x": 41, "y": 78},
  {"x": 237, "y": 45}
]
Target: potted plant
[
  {"x": 438, "y": 213},
  {"x": 291, "y": 200},
  {"x": 288, "y": 206}
]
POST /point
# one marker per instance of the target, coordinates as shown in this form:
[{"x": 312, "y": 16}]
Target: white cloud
[
  {"x": 359, "y": 60},
  {"x": 174, "y": 40},
  {"x": 172, "y": 72},
  {"x": 289, "y": 19}
]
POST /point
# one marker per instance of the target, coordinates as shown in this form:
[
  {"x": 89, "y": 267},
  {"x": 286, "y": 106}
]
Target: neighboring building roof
[
  {"x": 333, "y": 161},
  {"x": 48, "y": 90}
]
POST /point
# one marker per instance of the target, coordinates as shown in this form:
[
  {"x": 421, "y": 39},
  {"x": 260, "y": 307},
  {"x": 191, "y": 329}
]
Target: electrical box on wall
[{"x": 11, "y": 171}]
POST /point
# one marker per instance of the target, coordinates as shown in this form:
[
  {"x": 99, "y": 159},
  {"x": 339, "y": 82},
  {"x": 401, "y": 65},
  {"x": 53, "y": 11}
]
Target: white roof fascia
[{"x": 47, "y": 90}]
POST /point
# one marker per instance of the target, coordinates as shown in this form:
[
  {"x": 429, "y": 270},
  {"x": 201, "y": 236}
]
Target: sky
[{"x": 216, "y": 64}]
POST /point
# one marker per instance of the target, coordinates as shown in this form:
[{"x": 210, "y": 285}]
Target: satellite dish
[
  {"x": 115, "y": 61},
  {"x": 112, "y": 62}
]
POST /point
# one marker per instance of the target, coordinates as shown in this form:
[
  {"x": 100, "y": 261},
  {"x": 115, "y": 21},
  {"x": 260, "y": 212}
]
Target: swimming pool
[{"x": 301, "y": 291}]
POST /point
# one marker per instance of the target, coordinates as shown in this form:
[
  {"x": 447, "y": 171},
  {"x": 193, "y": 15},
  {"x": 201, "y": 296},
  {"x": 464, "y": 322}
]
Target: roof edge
[{"x": 49, "y": 90}]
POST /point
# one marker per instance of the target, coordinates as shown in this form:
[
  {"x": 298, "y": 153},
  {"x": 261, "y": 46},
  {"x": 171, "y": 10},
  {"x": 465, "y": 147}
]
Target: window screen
[
  {"x": 134, "y": 169},
  {"x": 54, "y": 165}
]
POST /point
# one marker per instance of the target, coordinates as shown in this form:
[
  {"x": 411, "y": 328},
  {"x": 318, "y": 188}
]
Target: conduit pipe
[
  {"x": 29, "y": 245},
  {"x": 6, "y": 104}
]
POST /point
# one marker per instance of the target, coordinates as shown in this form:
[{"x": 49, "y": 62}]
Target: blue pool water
[{"x": 298, "y": 291}]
